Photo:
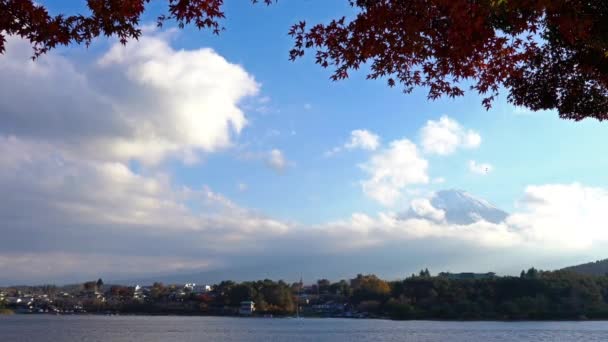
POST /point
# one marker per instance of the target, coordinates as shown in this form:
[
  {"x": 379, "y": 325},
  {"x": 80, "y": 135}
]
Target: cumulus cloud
[
  {"x": 64, "y": 206},
  {"x": 480, "y": 168},
  {"x": 73, "y": 208},
  {"x": 565, "y": 215},
  {"x": 363, "y": 139},
  {"x": 142, "y": 101},
  {"x": 359, "y": 139},
  {"x": 444, "y": 136},
  {"x": 392, "y": 169},
  {"x": 365, "y": 230},
  {"x": 69, "y": 218},
  {"x": 68, "y": 133},
  {"x": 276, "y": 160},
  {"x": 422, "y": 207},
  {"x": 553, "y": 218}
]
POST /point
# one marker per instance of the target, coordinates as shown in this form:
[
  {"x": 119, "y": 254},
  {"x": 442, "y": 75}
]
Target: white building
[
  {"x": 198, "y": 289},
  {"x": 138, "y": 292},
  {"x": 247, "y": 308}
]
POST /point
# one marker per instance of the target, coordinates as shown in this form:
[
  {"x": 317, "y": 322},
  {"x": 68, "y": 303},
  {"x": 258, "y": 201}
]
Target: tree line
[{"x": 534, "y": 295}]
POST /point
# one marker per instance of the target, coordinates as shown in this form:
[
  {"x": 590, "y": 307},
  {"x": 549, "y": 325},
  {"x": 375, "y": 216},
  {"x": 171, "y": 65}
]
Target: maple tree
[{"x": 548, "y": 54}]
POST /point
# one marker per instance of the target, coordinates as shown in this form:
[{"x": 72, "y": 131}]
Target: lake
[{"x": 24, "y": 328}]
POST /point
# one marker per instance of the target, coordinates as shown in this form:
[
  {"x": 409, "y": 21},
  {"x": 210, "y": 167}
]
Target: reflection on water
[{"x": 152, "y": 329}]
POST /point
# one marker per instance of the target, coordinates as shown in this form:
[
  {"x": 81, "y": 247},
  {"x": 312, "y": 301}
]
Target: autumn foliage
[{"x": 547, "y": 54}]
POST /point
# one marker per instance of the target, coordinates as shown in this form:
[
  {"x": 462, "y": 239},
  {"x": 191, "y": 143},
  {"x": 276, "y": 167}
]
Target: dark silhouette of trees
[
  {"x": 323, "y": 286},
  {"x": 534, "y": 295},
  {"x": 239, "y": 293},
  {"x": 90, "y": 286},
  {"x": 547, "y": 54},
  {"x": 424, "y": 273}
]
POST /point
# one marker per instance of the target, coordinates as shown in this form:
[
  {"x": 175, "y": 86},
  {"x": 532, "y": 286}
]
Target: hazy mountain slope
[{"x": 598, "y": 268}]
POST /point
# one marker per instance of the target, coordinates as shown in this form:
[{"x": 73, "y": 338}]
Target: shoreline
[
  {"x": 12, "y": 313},
  {"x": 6, "y": 312}
]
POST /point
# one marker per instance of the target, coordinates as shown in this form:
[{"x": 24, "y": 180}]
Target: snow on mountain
[{"x": 460, "y": 207}]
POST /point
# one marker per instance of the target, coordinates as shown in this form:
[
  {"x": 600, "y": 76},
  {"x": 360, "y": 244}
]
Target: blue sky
[
  {"x": 308, "y": 114},
  {"x": 525, "y": 149},
  {"x": 297, "y": 112}
]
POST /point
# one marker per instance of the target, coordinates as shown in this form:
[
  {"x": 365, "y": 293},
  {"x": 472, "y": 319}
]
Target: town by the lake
[{"x": 533, "y": 295}]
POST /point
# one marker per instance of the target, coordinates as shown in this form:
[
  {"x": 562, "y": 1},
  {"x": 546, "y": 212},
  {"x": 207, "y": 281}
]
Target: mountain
[
  {"x": 597, "y": 268},
  {"x": 461, "y": 207}
]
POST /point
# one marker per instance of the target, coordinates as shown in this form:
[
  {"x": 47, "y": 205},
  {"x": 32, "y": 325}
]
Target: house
[
  {"x": 138, "y": 293},
  {"x": 247, "y": 308},
  {"x": 197, "y": 289},
  {"x": 203, "y": 289}
]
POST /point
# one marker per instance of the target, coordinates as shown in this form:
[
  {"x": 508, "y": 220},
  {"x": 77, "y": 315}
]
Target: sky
[{"x": 190, "y": 155}]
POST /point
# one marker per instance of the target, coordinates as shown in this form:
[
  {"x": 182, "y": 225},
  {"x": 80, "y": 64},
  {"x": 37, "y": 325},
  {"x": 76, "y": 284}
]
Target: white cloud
[
  {"x": 143, "y": 101},
  {"x": 422, "y": 207},
  {"x": 73, "y": 208},
  {"x": 86, "y": 207},
  {"x": 392, "y": 169},
  {"x": 363, "y": 139},
  {"x": 359, "y": 139},
  {"x": 480, "y": 168},
  {"x": 276, "y": 160},
  {"x": 562, "y": 215},
  {"x": 368, "y": 231},
  {"x": 553, "y": 219},
  {"x": 242, "y": 187},
  {"x": 443, "y": 137},
  {"x": 83, "y": 217}
]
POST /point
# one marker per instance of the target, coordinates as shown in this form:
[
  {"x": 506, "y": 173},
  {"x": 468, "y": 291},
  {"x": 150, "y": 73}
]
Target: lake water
[{"x": 24, "y": 328}]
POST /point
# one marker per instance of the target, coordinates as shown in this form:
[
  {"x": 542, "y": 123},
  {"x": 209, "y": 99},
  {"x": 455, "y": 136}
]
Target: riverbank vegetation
[{"x": 534, "y": 295}]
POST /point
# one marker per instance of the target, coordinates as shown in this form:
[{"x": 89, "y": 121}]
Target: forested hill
[{"x": 597, "y": 268}]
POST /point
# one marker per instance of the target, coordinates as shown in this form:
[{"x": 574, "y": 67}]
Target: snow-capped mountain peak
[{"x": 461, "y": 207}]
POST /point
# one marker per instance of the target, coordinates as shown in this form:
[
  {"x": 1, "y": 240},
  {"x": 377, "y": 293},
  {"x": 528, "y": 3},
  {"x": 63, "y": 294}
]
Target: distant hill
[{"x": 597, "y": 268}]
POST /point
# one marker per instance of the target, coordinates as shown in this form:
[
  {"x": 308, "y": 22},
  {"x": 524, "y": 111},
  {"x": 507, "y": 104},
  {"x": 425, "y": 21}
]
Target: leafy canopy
[{"x": 547, "y": 54}]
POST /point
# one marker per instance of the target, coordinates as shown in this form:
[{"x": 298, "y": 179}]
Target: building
[
  {"x": 138, "y": 293},
  {"x": 198, "y": 289},
  {"x": 247, "y": 308}
]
